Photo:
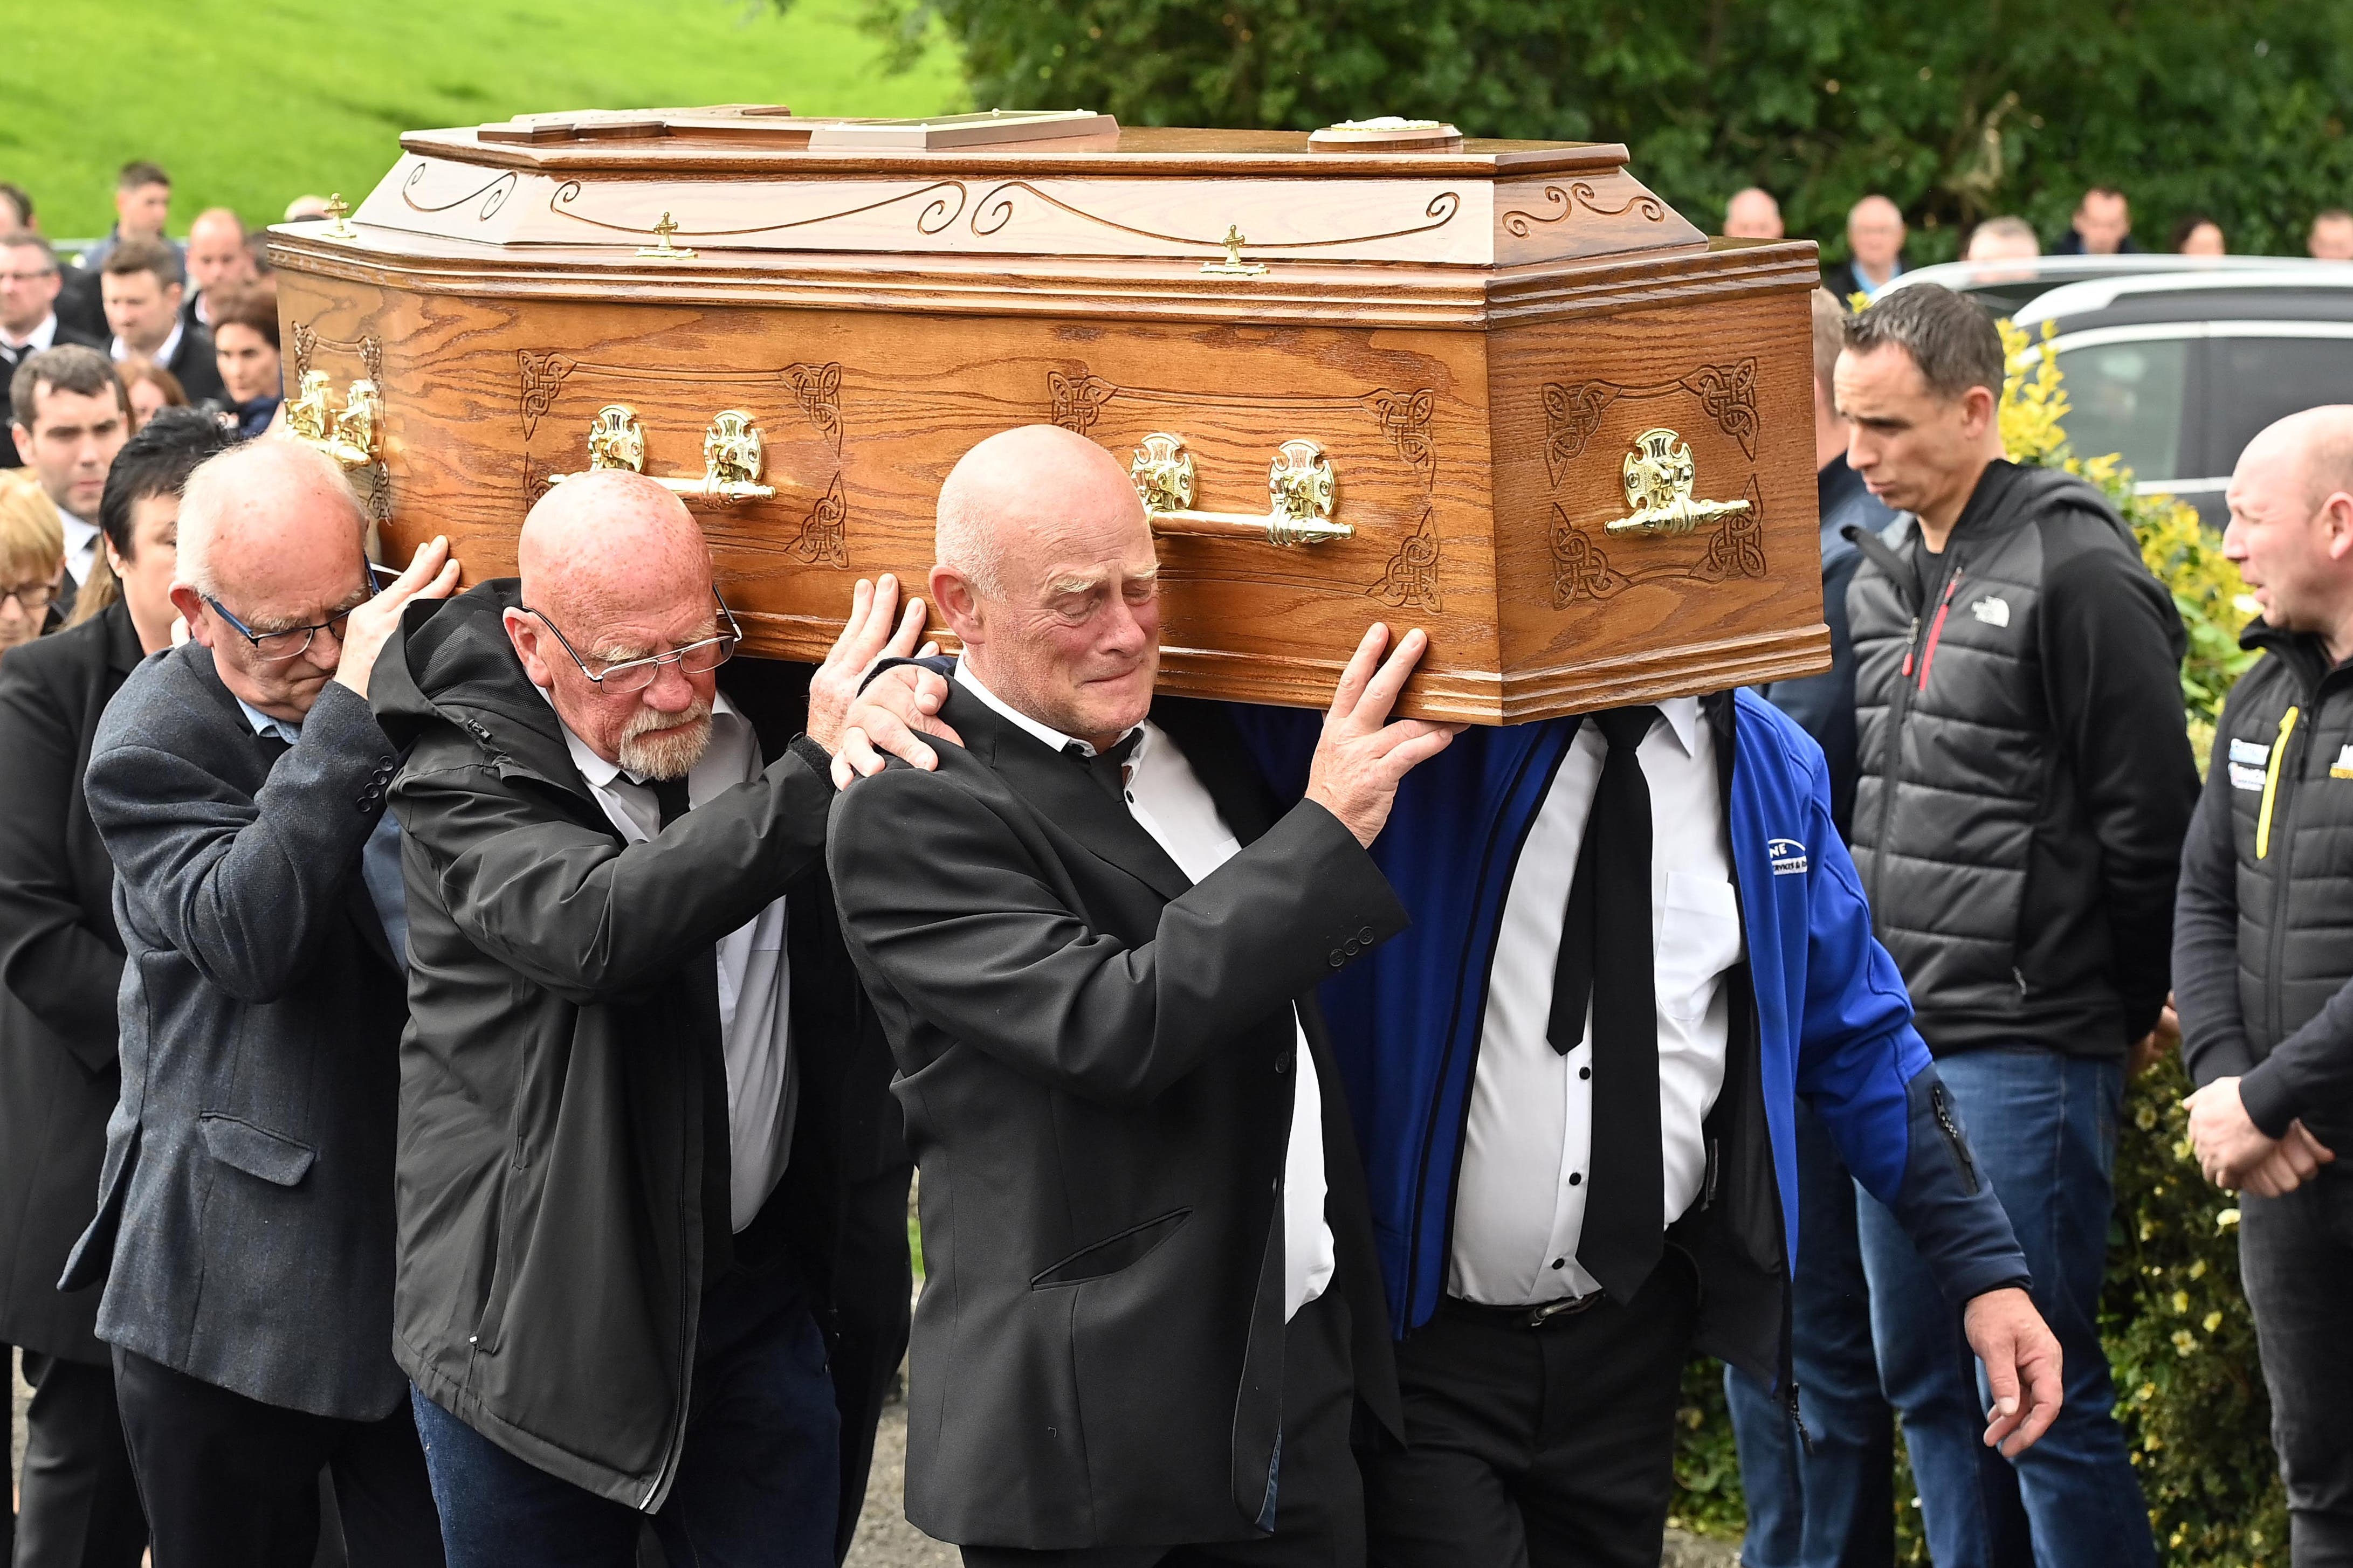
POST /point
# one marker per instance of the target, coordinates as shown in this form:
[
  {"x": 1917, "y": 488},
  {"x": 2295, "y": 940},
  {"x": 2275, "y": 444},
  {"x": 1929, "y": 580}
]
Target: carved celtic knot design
[
  {"x": 1728, "y": 392},
  {"x": 1077, "y": 398},
  {"x": 306, "y": 340},
  {"x": 1410, "y": 581},
  {"x": 1405, "y": 420},
  {"x": 823, "y": 538},
  {"x": 818, "y": 387},
  {"x": 1578, "y": 565},
  {"x": 543, "y": 378},
  {"x": 1571, "y": 415},
  {"x": 1736, "y": 549},
  {"x": 538, "y": 479}
]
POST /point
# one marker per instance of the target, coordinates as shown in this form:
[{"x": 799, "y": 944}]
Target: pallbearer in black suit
[{"x": 1151, "y": 1323}]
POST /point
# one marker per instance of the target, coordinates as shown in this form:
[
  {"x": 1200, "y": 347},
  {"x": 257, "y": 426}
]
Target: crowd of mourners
[{"x": 463, "y": 1054}]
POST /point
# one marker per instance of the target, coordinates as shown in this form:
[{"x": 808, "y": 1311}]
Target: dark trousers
[
  {"x": 80, "y": 1502},
  {"x": 757, "y": 1481},
  {"x": 2295, "y": 1258},
  {"x": 1547, "y": 1446},
  {"x": 230, "y": 1482},
  {"x": 1830, "y": 1504},
  {"x": 1319, "y": 1495}
]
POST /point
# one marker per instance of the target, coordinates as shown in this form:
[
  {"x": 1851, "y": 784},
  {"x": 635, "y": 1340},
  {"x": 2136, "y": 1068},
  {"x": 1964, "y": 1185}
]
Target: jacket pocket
[
  {"x": 1112, "y": 1253},
  {"x": 257, "y": 1151}
]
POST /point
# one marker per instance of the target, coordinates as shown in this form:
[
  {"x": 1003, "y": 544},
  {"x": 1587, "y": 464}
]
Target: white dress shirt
[
  {"x": 755, "y": 973},
  {"x": 1168, "y": 801},
  {"x": 81, "y": 546},
  {"x": 1519, "y": 1204},
  {"x": 41, "y": 337}
]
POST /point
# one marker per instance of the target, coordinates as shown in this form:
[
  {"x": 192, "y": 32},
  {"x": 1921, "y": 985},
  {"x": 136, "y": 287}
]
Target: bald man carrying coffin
[
  {"x": 1151, "y": 1320},
  {"x": 635, "y": 1088}
]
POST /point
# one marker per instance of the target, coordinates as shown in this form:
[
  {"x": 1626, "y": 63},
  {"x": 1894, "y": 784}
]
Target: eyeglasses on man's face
[
  {"x": 30, "y": 598},
  {"x": 631, "y": 675},
  {"x": 293, "y": 642}
]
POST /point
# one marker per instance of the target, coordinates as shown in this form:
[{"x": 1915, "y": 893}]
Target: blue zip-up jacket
[{"x": 1827, "y": 1018}]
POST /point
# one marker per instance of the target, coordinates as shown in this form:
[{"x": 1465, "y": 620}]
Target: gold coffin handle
[
  {"x": 351, "y": 435},
  {"x": 731, "y": 455},
  {"x": 1659, "y": 474},
  {"x": 1300, "y": 484}
]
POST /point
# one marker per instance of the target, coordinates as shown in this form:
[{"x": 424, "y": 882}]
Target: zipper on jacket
[
  {"x": 2264, "y": 815},
  {"x": 1937, "y": 629},
  {"x": 1899, "y": 703},
  {"x": 1960, "y": 1145}
]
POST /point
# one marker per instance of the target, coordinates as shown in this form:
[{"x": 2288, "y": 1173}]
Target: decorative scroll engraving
[
  {"x": 1405, "y": 420},
  {"x": 818, "y": 388},
  {"x": 494, "y": 194},
  {"x": 822, "y": 540},
  {"x": 543, "y": 378},
  {"x": 1077, "y": 398},
  {"x": 1518, "y": 221},
  {"x": 1736, "y": 549},
  {"x": 996, "y": 209},
  {"x": 1728, "y": 392},
  {"x": 538, "y": 479},
  {"x": 945, "y": 206},
  {"x": 307, "y": 342},
  {"x": 1571, "y": 415},
  {"x": 1578, "y": 565},
  {"x": 1410, "y": 581}
]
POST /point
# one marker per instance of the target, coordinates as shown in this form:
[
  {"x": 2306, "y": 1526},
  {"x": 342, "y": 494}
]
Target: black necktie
[
  {"x": 1108, "y": 768},
  {"x": 1606, "y": 958},
  {"x": 670, "y": 799},
  {"x": 273, "y": 746}
]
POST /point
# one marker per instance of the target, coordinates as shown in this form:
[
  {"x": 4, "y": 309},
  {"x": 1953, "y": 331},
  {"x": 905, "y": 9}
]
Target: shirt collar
[
  {"x": 41, "y": 337},
  {"x": 163, "y": 351},
  {"x": 1045, "y": 733},
  {"x": 288, "y": 730},
  {"x": 1682, "y": 717}
]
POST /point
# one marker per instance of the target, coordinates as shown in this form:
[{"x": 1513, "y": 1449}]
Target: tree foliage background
[{"x": 2234, "y": 108}]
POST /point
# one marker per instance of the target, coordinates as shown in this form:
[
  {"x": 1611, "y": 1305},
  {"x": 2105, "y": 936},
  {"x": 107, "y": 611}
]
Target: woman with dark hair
[
  {"x": 244, "y": 346},
  {"x": 60, "y": 965},
  {"x": 2198, "y": 235},
  {"x": 152, "y": 387}
]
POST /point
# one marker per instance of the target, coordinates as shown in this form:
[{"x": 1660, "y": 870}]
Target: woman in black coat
[{"x": 60, "y": 965}]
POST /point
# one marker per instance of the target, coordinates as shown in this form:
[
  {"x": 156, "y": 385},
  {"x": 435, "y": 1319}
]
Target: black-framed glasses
[
  {"x": 277, "y": 647},
  {"x": 699, "y": 658},
  {"x": 31, "y": 597}
]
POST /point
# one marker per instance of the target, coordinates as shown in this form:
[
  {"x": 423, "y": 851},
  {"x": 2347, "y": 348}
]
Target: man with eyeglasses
[
  {"x": 244, "y": 1228},
  {"x": 645, "y": 1132},
  {"x": 29, "y": 281}
]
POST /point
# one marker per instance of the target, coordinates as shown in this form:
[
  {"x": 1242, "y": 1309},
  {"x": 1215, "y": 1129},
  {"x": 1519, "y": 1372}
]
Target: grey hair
[
  {"x": 965, "y": 541},
  {"x": 215, "y": 485}
]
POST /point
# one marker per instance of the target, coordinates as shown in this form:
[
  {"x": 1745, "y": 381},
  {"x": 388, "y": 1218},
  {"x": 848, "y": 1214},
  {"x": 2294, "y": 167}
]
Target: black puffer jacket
[
  {"x": 2026, "y": 776},
  {"x": 2262, "y": 963}
]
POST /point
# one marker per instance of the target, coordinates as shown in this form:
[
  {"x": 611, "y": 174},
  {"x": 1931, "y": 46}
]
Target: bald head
[
  {"x": 248, "y": 514},
  {"x": 1874, "y": 232},
  {"x": 1022, "y": 488},
  {"x": 217, "y": 259},
  {"x": 1047, "y": 573},
  {"x": 2291, "y": 530},
  {"x": 607, "y": 543},
  {"x": 1752, "y": 214}
]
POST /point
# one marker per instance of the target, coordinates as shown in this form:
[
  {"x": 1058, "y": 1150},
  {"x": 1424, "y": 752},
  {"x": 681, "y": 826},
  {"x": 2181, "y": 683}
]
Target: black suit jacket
[
  {"x": 60, "y": 965},
  {"x": 199, "y": 372},
  {"x": 9, "y": 360},
  {"x": 1096, "y": 1061}
]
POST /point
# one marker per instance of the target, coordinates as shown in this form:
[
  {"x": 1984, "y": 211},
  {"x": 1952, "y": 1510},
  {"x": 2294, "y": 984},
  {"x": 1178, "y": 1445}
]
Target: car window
[
  {"x": 2259, "y": 380},
  {"x": 2127, "y": 398}
]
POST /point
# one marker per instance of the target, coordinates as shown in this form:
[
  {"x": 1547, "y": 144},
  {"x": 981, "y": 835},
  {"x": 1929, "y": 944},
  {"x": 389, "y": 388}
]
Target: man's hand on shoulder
[
  {"x": 1362, "y": 756},
  {"x": 868, "y": 637},
  {"x": 891, "y": 715},
  {"x": 432, "y": 574},
  {"x": 2023, "y": 1367}
]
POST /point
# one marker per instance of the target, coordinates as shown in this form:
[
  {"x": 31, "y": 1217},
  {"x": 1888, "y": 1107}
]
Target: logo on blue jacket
[{"x": 1788, "y": 856}]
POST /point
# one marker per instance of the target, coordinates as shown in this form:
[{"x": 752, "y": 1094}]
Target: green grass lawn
[{"x": 249, "y": 103}]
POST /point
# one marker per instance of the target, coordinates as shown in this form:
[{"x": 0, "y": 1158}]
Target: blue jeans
[
  {"x": 1834, "y": 1507},
  {"x": 757, "y": 1483},
  {"x": 2043, "y": 1127}
]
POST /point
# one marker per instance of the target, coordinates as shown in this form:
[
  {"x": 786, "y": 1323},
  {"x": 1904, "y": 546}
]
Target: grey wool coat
[{"x": 244, "y": 1226}]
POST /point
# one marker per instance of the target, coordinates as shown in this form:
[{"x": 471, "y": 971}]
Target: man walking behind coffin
[
  {"x": 1637, "y": 940},
  {"x": 2261, "y": 969},
  {"x": 2026, "y": 782},
  {"x": 630, "y": 1052},
  {"x": 1150, "y": 1320},
  {"x": 244, "y": 1226}
]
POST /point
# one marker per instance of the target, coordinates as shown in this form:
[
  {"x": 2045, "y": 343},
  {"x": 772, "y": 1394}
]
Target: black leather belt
[{"x": 1530, "y": 1317}]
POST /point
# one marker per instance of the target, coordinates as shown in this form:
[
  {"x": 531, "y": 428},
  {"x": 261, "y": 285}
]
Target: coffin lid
[{"x": 740, "y": 182}]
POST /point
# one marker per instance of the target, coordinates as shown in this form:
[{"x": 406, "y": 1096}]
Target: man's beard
[{"x": 666, "y": 745}]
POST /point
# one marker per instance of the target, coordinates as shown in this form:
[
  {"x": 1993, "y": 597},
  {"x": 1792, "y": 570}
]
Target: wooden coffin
[{"x": 1496, "y": 389}]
